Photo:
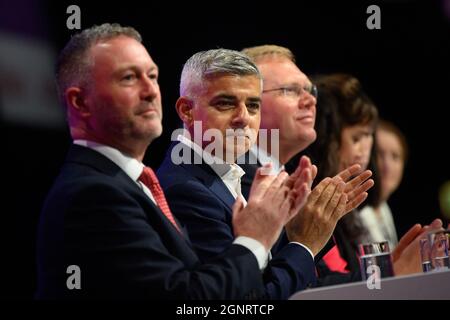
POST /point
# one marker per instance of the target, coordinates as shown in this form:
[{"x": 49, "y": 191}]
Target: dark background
[{"x": 404, "y": 67}]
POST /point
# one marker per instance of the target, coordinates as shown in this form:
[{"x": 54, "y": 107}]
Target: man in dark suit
[
  {"x": 106, "y": 230},
  {"x": 202, "y": 181}
]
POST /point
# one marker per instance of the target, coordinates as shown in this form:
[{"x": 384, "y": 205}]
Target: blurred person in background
[{"x": 392, "y": 154}]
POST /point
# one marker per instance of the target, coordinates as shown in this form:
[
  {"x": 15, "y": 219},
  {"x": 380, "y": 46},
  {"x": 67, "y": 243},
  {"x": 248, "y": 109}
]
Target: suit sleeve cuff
[
  {"x": 307, "y": 249},
  {"x": 256, "y": 247}
]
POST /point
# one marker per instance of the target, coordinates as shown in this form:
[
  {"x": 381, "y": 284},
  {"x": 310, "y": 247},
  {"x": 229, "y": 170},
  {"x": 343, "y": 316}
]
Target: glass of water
[
  {"x": 425, "y": 255},
  {"x": 376, "y": 258},
  {"x": 438, "y": 245}
]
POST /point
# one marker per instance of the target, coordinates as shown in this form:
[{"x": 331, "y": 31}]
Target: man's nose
[
  {"x": 241, "y": 117},
  {"x": 307, "y": 100},
  {"x": 150, "y": 88}
]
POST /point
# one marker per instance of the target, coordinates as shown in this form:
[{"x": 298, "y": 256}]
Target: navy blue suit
[
  {"x": 202, "y": 202},
  {"x": 98, "y": 218}
]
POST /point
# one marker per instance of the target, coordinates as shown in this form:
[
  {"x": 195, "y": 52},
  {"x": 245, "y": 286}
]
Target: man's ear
[
  {"x": 75, "y": 100},
  {"x": 185, "y": 108}
]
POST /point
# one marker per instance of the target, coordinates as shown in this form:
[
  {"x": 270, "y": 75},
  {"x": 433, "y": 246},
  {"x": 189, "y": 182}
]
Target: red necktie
[{"x": 149, "y": 178}]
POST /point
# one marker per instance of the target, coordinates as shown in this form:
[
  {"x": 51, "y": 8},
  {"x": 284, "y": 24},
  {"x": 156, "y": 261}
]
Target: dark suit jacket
[
  {"x": 97, "y": 218},
  {"x": 202, "y": 202}
]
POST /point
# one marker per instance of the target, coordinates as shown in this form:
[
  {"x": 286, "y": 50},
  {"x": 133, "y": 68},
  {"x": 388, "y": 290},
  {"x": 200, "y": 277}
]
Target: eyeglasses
[{"x": 295, "y": 91}]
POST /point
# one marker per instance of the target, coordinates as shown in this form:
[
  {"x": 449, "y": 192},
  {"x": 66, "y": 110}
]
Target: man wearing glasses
[
  {"x": 288, "y": 109},
  {"x": 288, "y": 106}
]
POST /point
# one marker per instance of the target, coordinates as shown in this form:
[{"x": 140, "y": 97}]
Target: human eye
[
  {"x": 396, "y": 156},
  {"x": 253, "y": 106},
  {"x": 223, "y": 104},
  {"x": 291, "y": 91},
  {"x": 356, "y": 138},
  {"x": 310, "y": 89},
  {"x": 153, "y": 76},
  {"x": 128, "y": 77}
]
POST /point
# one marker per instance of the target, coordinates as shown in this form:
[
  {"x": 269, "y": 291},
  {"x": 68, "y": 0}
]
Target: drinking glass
[
  {"x": 438, "y": 244},
  {"x": 376, "y": 254}
]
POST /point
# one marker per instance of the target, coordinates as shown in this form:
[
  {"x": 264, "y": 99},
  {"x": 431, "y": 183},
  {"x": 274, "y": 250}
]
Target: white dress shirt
[
  {"x": 380, "y": 225},
  {"x": 229, "y": 173}
]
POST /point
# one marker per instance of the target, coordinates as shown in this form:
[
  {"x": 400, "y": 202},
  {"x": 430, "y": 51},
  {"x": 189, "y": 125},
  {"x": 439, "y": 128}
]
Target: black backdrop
[{"x": 403, "y": 67}]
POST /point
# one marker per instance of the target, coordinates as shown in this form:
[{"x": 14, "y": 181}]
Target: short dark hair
[
  {"x": 74, "y": 63},
  {"x": 208, "y": 64}
]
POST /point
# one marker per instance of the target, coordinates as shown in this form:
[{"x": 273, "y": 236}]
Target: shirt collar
[
  {"x": 132, "y": 167},
  {"x": 221, "y": 168}
]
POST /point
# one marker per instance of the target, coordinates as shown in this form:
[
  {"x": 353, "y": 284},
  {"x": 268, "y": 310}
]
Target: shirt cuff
[
  {"x": 307, "y": 249},
  {"x": 256, "y": 247}
]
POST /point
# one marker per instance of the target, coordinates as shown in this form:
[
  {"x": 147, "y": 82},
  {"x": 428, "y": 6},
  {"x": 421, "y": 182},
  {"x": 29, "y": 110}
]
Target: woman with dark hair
[
  {"x": 345, "y": 123},
  {"x": 392, "y": 153}
]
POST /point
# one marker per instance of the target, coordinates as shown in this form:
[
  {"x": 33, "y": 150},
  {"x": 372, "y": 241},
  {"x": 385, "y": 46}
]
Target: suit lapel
[
  {"x": 94, "y": 159},
  {"x": 212, "y": 181},
  {"x": 203, "y": 172},
  {"x": 221, "y": 191},
  {"x": 206, "y": 175}
]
